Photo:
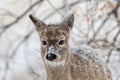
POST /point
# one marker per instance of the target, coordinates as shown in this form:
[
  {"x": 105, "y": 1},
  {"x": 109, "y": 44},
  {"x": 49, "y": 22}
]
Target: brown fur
[{"x": 80, "y": 64}]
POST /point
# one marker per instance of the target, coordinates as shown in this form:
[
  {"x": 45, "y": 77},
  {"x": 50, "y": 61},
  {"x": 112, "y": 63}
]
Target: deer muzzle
[{"x": 51, "y": 53}]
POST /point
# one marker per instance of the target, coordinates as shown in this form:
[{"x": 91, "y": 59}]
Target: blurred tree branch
[{"x": 4, "y": 28}]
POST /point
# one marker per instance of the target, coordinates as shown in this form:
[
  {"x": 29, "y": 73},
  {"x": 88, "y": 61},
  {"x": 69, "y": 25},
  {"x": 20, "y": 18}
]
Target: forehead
[{"x": 53, "y": 32}]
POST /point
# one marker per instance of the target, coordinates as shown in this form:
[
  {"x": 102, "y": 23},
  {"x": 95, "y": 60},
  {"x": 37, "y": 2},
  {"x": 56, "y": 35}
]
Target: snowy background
[{"x": 97, "y": 23}]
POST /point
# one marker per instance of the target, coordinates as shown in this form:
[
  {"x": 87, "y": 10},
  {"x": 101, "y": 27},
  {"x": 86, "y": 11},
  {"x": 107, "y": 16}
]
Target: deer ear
[
  {"x": 68, "y": 23},
  {"x": 38, "y": 23}
]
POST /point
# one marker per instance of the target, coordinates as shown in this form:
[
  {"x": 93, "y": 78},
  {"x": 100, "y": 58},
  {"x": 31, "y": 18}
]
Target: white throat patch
[{"x": 54, "y": 64}]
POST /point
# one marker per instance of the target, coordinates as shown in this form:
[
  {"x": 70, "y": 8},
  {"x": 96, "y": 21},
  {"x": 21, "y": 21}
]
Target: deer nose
[{"x": 51, "y": 56}]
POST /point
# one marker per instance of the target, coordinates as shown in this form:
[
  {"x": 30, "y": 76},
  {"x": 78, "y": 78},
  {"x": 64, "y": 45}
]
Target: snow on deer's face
[
  {"x": 54, "y": 40},
  {"x": 54, "y": 45}
]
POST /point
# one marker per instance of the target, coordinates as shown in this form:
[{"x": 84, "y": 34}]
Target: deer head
[{"x": 54, "y": 40}]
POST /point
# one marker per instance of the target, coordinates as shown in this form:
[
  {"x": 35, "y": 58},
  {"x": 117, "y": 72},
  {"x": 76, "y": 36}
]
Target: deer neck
[{"x": 59, "y": 72}]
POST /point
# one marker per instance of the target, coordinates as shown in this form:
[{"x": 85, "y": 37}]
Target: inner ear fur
[
  {"x": 67, "y": 24},
  {"x": 38, "y": 23}
]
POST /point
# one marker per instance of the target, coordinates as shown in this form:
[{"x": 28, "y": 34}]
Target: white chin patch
[{"x": 54, "y": 64}]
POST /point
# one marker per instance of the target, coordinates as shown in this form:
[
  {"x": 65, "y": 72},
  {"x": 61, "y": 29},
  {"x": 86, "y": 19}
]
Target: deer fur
[{"x": 80, "y": 63}]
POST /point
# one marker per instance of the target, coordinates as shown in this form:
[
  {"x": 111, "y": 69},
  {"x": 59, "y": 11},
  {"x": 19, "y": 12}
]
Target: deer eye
[
  {"x": 44, "y": 42},
  {"x": 61, "y": 42}
]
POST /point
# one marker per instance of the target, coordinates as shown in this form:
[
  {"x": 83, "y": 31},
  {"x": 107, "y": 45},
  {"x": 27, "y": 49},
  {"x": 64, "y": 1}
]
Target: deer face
[{"x": 54, "y": 40}]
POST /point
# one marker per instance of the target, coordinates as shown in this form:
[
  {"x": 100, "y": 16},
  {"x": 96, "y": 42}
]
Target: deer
[{"x": 62, "y": 62}]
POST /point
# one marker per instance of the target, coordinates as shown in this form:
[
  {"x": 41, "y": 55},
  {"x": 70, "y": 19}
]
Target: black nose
[{"x": 51, "y": 56}]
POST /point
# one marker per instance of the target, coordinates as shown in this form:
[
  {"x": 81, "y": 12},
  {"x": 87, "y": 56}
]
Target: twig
[
  {"x": 109, "y": 55},
  {"x": 4, "y": 28},
  {"x": 20, "y": 43},
  {"x": 55, "y": 9},
  {"x": 60, "y": 8}
]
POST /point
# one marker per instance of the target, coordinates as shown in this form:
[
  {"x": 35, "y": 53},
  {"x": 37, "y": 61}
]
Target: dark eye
[
  {"x": 44, "y": 42},
  {"x": 61, "y": 42}
]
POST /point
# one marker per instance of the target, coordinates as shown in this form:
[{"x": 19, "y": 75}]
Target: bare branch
[{"x": 4, "y": 28}]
